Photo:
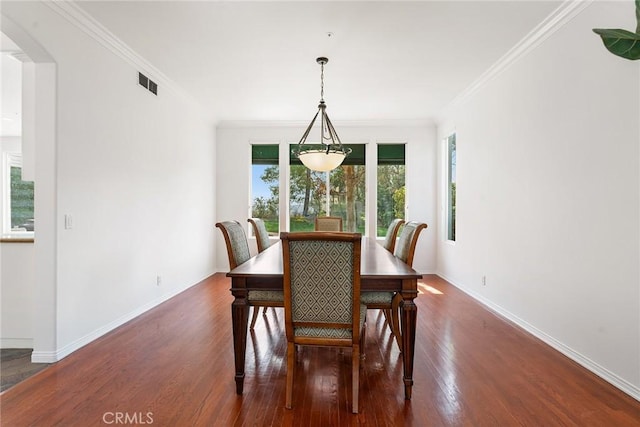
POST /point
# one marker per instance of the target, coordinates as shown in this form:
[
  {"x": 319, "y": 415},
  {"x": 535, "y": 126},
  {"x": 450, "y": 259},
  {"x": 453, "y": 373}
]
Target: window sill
[{"x": 17, "y": 238}]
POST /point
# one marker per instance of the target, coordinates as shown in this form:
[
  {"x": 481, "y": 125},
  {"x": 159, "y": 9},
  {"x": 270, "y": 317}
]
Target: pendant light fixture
[{"x": 330, "y": 153}]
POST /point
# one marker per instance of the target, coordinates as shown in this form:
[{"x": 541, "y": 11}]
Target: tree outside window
[
  {"x": 18, "y": 197},
  {"x": 391, "y": 185},
  {"x": 340, "y": 192},
  {"x": 265, "y": 187}
]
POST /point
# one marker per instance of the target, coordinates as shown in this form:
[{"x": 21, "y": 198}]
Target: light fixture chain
[
  {"x": 322, "y": 81},
  {"x": 332, "y": 155}
]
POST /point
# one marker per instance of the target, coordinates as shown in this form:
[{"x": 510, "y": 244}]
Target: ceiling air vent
[{"x": 148, "y": 84}]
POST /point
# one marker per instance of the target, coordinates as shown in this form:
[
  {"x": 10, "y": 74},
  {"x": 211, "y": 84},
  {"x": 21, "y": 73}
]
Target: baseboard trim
[
  {"x": 43, "y": 357},
  {"x": 577, "y": 357},
  {"x": 61, "y": 353}
]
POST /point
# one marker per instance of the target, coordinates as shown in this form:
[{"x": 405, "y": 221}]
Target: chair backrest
[
  {"x": 392, "y": 232},
  {"x": 328, "y": 223},
  {"x": 236, "y": 240},
  {"x": 322, "y": 285},
  {"x": 406, "y": 246},
  {"x": 261, "y": 233}
]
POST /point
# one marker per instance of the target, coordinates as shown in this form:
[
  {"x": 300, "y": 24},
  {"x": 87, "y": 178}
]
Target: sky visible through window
[{"x": 258, "y": 187}]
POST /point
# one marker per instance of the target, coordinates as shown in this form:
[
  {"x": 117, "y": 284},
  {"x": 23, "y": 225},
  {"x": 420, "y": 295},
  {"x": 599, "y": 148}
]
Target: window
[
  {"x": 340, "y": 192},
  {"x": 18, "y": 215},
  {"x": 451, "y": 187},
  {"x": 391, "y": 185},
  {"x": 265, "y": 185}
]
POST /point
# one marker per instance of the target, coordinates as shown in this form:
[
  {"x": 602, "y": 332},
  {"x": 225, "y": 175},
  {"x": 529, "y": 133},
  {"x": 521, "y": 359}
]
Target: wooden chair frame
[
  {"x": 261, "y": 247},
  {"x": 356, "y": 342},
  {"x": 397, "y": 299},
  {"x": 414, "y": 241},
  {"x": 258, "y": 233},
  {"x": 233, "y": 263},
  {"x": 392, "y": 234}
]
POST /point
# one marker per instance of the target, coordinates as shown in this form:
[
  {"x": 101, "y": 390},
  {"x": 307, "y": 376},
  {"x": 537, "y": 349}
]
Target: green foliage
[
  {"x": 622, "y": 43},
  {"x": 300, "y": 223},
  {"x": 347, "y": 198},
  {"x": 22, "y": 192},
  {"x": 453, "y": 194},
  {"x": 267, "y": 209},
  {"x": 271, "y": 176},
  {"x": 398, "y": 202},
  {"x": 308, "y": 190},
  {"x": 391, "y": 195},
  {"x": 272, "y": 227},
  {"x": 452, "y": 212},
  {"x": 308, "y": 193}
]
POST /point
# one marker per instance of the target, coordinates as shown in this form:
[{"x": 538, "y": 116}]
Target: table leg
[
  {"x": 240, "y": 317},
  {"x": 408, "y": 316}
]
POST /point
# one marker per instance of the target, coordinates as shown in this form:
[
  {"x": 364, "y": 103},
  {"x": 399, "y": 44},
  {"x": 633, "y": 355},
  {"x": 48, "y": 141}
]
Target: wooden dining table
[{"x": 379, "y": 271}]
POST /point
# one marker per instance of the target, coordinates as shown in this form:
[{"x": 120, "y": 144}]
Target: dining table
[{"x": 380, "y": 270}]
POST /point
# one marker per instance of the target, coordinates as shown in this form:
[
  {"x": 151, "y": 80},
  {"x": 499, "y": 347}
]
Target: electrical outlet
[
  {"x": 484, "y": 280},
  {"x": 158, "y": 280},
  {"x": 68, "y": 222}
]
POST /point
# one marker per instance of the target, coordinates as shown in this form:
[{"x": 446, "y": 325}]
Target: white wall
[
  {"x": 136, "y": 173},
  {"x": 234, "y": 170},
  {"x": 17, "y": 295},
  {"x": 17, "y": 282},
  {"x": 548, "y": 196}
]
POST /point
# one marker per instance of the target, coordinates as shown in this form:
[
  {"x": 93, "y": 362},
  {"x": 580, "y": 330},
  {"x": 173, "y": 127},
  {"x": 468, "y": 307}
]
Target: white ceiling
[{"x": 257, "y": 60}]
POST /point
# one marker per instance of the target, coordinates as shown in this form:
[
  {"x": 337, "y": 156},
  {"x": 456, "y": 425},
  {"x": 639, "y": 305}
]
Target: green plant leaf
[{"x": 622, "y": 43}]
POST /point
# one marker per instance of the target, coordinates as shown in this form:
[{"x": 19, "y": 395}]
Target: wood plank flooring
[
  {"x": 173, "y": 366},
  {"x": 15, "y": 366}
]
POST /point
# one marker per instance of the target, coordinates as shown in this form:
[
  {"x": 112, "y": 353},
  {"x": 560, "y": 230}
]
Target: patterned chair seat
[
  {"x": 370, "y": 298},
  {"x": 266, "y": 296}
]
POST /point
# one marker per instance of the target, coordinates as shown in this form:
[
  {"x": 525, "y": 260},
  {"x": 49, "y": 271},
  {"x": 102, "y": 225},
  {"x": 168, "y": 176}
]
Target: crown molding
[
  {"x": 568, "y": 10},
  {"x": 235, "y": 124},
  {"x": 69, "y": 10},
  {"x": 20, "y": 56}
]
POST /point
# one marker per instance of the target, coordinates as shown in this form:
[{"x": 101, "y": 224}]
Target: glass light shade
[{"x": 320, "y": 160}]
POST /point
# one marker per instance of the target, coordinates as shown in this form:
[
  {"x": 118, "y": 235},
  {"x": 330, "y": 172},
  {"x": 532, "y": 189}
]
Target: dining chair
[
  {"x": 328, "y": 223},
  {"x": 389, "y": 302},
  {"x": 261, "y": 233},
  {"x": 406, "y": 247},
  {"x": 238, "y": 253},
  {"x": 263, "y": 242},
  {"x": 392, "y": 233},
  {"x": 383, "y": 300},
  {"x": 322, "y": 298}
]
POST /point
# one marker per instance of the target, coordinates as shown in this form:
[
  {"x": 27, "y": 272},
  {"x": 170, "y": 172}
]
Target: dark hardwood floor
[{"x": 173, "y": 366}]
